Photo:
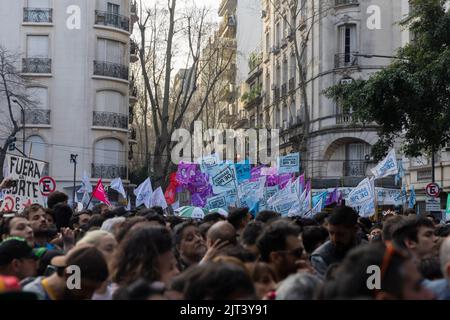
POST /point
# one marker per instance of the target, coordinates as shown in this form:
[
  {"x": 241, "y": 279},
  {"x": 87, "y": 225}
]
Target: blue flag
[
  {"x": 412, "y": 198},
  {"x": 243, "y": 170}
]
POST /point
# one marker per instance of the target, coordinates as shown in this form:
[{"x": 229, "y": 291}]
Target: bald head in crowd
[{"x": 222, "y": 230}]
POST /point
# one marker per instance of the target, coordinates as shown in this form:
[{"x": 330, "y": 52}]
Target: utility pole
[{"x": 73, "y": 159}]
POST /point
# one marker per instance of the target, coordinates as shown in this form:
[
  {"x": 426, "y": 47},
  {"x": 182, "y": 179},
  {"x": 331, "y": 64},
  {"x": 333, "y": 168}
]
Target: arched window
[
  {"x": 37, "y": 148},
  {"x": 109, "y": 159},
  {"x": 111, "y": 101}
]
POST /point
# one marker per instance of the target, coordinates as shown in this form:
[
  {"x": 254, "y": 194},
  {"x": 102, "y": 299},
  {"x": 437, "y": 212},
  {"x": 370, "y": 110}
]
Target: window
[
  {"x": 285, "y": 71},
  {"x": 109, "y": 152},
  {"x": 37, "y": 46},
  {"x": 293, "y": 66},
  {"x": 278, "y": 75},
  {"x": 39, "y": 95},
  {"x": 285, "y": 114},
  {"x": 355, "y": 154},
  {"x": 113, "y": 13},
  {"x": 347, "y": 41},
  {"x": 277, "y": 118},
  {"x": 111, "y": 51},
  {"x": 110, "y": 101},
  {"x": 37, "y": 146},
  {"x": 277, "y": 34},
  {"x": 267, "y": 42}
]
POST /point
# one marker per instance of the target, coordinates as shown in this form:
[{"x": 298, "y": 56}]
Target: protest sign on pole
[
  {"x": 26, "y": 173},
  {"x": 388, "y": 166},
  {"x": 289, "y": 163}
]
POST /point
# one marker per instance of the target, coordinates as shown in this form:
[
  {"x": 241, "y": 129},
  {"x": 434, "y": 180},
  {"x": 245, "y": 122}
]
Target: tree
[
  {"x": 161, "y": 29},
  {"x": 409, "y": 99},
  {"x": 12, "y": 87}
]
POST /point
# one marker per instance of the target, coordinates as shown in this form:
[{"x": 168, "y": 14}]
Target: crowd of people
[{"x": 150, "y": 254}]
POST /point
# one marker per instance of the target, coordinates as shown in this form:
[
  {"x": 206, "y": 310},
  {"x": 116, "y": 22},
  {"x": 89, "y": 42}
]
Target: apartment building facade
[{"x": 77, "y": 55}]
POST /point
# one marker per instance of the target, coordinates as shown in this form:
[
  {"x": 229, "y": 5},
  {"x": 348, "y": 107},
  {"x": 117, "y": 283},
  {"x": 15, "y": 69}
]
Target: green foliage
[
  {"x": 411, "y": 97},
  {"x": 251, "y": 95}
]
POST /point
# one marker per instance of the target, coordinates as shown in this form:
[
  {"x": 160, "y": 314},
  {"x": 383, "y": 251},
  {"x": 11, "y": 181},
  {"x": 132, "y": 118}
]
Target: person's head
[
  {"x": 398, "y": 276},
  {"x": 155, "y": 218},
  {"x": 365, "y": 224},
  {"x": 62, "y": 213},
  {"x": 213, "y": 217},
  {"x": 280, "y": 246},
  {"x": 263, "y": 277},
  {"x": 299, "y": 286},
  {"x": 83, "y": 219},
  {"x": 50, "y": 216},
  {"x": 145, "y": 253},
  {"x": 222, "y": 231},
  {"x": 219, "y": 281},
  {"x": 409, "y": 212},
  {"x": 430, "y": 268},
  {"x": 95, "y": 222},
  {"x": 38, "y": 221},
  {"x": 267, "y": 216},
  {"x": 103, "y": 241},
  {"x": 250, "y": 235},
  {"x": 55, "y": 198},
  {"x": 141, "y": 290},
  {"x": 313, "y": 237},
  {"x": 444, "y": 255},
  {"x": 113, "y": 224},
  {"x": 45, "y": 260},
  {"x": 93, "y": 271},
  {"x": 321, "y": 218},
  {"x": 239, "y": 218},
  {"x": 101, "y": 209},
  {"x": 416, "y": 235},
  {"x": 389, "y": 225},
  {"x": 17, "y": 258},
  {"x": 375, "y": 233},
  {"x": 19, "y": 227},
  {"x": 126, "y": 226},
  {"x": 342, "y": 227},
  {"x": 189, "y": 242}
]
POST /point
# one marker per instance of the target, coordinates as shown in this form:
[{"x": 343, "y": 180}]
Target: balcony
[
  {"x": 344, "y": 118},
  {"x": 133, "y": 135},
  {"x": 241, "y": 121},
  {"x": 110, "y": 119},
  {"x": 346, "y": 2},
  {"x": 37, "y": 65},
  {"x": 252, "y": 98},
  {"x": 291, "y": 84},
  {"x": 130, "y": 114},
  {"x": 276, "y": 94},
  {"x": 37, "y": 116},
  {"x": 37, "y": 15},
  {"x": 133, "y": 93},
  {"x": 109, "y": 69},
  {"x": 108, "y": 171},
  {"x": 354, "y": 168},
  {"x": 284, "y": 89},
  {"x": 345, "y": 60},
  {"x": 134, "y": 51},
  {"x": 112, "y": 20}
]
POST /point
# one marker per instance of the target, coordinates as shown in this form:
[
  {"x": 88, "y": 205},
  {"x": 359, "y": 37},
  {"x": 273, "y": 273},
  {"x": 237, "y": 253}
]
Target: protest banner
[
  {"x": 388, "y": 166},
  {"x": 289, "y": 163},
  {"x": 27, "y": 173},
  {"x": 223, "y": 178},
  {"x": 217, "y": 202}
]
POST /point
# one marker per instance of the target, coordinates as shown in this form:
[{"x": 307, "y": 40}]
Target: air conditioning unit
[{"x": 263, "y": 14}]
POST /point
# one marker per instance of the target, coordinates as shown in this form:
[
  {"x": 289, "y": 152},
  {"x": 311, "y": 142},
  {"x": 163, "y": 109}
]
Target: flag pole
[{"x": 92, "y": 195}]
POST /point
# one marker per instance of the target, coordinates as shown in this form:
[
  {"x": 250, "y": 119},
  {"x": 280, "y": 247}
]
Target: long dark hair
[{"x": 138, "y": 253}]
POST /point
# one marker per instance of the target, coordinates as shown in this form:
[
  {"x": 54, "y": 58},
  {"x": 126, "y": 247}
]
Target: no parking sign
[{"x": 47, "y": 185}]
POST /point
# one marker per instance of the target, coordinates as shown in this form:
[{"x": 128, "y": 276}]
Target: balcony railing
[
  {"x": 109, "y": 69},
  {"x": 344, "y": 118},
  {"x": 133, "y": 134},
  {"x": 36, "y": 65},
  {"x": 348, "y": 59},
  {"x": 108, "y": 171},
  {"x": 276, "y": 94},
  {"x": 344, "y": 2},
  {"x": 284, "y": 89},
  {"x": 134, "y": 50},
  {"x": 110, "y": 119},
  {"x": 37, "y": 116},
  {"x": 354, "y": 168},
  {"x": 38, "y": 15},
  {"x": 112, "y": 20}
]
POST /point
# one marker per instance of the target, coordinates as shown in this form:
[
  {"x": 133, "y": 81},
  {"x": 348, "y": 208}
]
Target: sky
[{"x": 213, "y": 5}]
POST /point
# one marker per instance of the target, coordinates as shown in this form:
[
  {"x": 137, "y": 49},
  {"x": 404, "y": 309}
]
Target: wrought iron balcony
[
  {"x": 38, "y": 15},
  {"x": 134, "y": 50},
  {"x": 112, "y": 20},
  {"x": 110, "y": 119},
  {"x": 284, "y": 89},
  {"x": 292, "y": 84},
  {"x": 109, "y": 69},
  {"x": 345, "y": 2},
  {"x": 108, "y": 171},
  {"x": 36, "y": 65},
  {"x": 37, "y": 116},
  {"x": 354, "y": 168},
  {"x": 348, "y": 59}
]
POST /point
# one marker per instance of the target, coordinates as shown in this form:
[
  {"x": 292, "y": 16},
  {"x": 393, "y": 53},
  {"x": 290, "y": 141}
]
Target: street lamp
[
  {"x": 23, "y": 124},
  {"x": 73, "y": 159}
]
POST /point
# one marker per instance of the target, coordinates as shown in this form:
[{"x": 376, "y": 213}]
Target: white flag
[
  {"x": 86, "y": 185},
  {"x": 128, "y": 204},
  {"x": 175, "y": 205},
  {"x": 85, "y": 199},
  {"x": 386, "y": 167},
  {"x": 117, "y": 185},
  {"x": 143, "y": 193},
  {"x": 158, "y": 198},
  {"x": 362, "y": 194}
]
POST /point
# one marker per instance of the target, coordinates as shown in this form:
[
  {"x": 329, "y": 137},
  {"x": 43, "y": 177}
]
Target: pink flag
[{"x": 100, "y": 194}]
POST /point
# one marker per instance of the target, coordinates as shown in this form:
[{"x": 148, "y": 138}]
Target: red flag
[
  {"x": 100, "y": 194},
  {"x": 170, "y": 193}
]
